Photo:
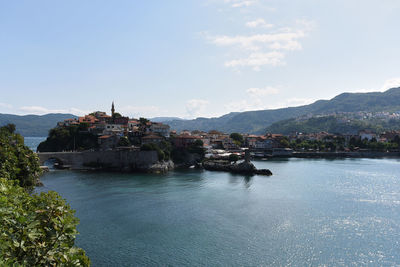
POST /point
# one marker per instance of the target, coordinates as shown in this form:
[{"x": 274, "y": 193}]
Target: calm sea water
[
  {"x": 309, "y": 213},
  {"x": 33, "y": 142}
]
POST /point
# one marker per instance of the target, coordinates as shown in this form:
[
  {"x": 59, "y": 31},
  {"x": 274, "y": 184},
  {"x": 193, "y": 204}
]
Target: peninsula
[{"x": 99, "y": 141}]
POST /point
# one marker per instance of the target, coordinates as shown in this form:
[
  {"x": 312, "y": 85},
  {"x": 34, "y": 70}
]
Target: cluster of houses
[{"x": 110, "y": 128}]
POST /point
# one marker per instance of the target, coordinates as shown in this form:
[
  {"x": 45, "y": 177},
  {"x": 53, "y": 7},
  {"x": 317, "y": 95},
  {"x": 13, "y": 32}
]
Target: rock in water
[{"x": 245, "y": 167}]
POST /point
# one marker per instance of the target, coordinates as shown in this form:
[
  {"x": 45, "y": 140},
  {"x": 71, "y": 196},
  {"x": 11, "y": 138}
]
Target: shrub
[
  {"x": 37, "y": 230},
  {"x": 17, "y": 161},
  {"x": 233, "y": 157}
]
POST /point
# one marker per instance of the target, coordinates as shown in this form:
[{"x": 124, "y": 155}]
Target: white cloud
[
  {"x": 255, "y": 60},
  {"x": 260, "y": 92},
  {"x": 255, "y": 99},
  {"x": 259, "y": 23},
  {"x": 391, "y": 83},
  {"x": 260, "y": 49},
  {"x": 276, "y": 41},
  {"x": 240, "y": 3},
  {"x": 196, "y": 107},
  {"x": 38, "y": 110}
]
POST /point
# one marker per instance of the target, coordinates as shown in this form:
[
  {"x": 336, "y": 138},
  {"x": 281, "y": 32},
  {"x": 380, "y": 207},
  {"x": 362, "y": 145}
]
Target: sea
[
  {"x": 311, "y": 212},
  {"x": 33, "y": 142}
]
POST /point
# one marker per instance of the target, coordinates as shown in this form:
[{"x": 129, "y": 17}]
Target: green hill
[
  {"x": 34, "y": 125},
  {"x": 243, "y": 122},
  {"x": 331, "y": 124},
  {"x": 258, "y": 121}
]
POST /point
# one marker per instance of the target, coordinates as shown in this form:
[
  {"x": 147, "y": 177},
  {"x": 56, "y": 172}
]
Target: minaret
[{"x": 112, "y": 109}]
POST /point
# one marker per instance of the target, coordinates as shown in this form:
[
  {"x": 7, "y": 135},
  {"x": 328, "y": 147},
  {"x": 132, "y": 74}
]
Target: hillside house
[
  {"x": 367, "y": 134},
  {"x": 184, "y": 141},
  {"x": 152, "y": 138}
]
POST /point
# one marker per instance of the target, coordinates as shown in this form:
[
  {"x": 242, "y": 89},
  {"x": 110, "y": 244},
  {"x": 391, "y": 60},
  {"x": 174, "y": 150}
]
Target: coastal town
[{"x": 117, "y": 131}]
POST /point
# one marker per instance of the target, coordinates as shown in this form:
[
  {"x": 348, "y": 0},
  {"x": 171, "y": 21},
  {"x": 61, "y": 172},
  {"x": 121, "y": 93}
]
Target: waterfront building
[{"x": 366, "y": 134}]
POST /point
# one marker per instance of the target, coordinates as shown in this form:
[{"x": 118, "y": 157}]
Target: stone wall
[{"x": 118, "y": 160}]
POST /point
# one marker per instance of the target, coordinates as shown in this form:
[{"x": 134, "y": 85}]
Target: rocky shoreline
[{"x": 244, "y": 167}]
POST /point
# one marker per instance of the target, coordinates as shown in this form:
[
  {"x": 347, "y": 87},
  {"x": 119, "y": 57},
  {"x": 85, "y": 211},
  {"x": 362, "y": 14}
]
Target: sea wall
[
  {"x": 117, "y": 160},
  {"x": 355, "y": 154}
]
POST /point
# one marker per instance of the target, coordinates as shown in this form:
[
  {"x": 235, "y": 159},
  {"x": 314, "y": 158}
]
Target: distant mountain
[
  {"x": 34, "y": 125},
  {"x": 332, "y": 124},
  {"x": 243, "y": 122},
  {"x": 258, "y": 121},
  {"x": 165, "y": 119}
]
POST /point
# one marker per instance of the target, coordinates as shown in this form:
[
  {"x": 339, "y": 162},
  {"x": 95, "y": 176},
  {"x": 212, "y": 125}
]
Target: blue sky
[{"x": 192, "y": 58}]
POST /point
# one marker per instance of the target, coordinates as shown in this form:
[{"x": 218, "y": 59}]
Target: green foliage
[
  {"x": 233, "y": 157},
  {"x": 117, "y": 115},
  {"x": 143, "y": 121},
  {"x": 332, "y": 144},
  {"x": 284, "y": 142},
  {"x": 124, "y": 141},
  {"x": 37, "y": 230},
  {"x": 373, "y": 144},
  {"x": 163, "y": 149},
  {"x": 17, "y": 161},
  {"x": 332, "y": 124},
  {"x": 69, "y": 138},
  {"x": 181, "y": 155},
  {"x": 237, "y": 138},
  {"x": 197, "y": 148}
]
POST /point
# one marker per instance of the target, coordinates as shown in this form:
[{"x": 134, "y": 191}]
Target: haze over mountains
[
  {"x": 243, "y": 122},
  {"x": 34, "y": 125},
  {"x": 258, "y": 121}
]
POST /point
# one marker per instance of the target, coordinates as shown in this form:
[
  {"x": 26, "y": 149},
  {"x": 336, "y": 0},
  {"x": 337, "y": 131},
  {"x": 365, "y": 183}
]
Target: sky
[{"x": 198, "y": 58}]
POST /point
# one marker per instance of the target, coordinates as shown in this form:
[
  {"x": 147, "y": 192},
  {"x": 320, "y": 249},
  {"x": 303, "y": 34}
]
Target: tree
[
  {"x": 37, "y": 230},
  {"x": 284, "y": 143},
  {"x": 233, "y": 157},
  {"x": 143, "y": 121},
  {"x": 154, "y": 147},
  {"x": 116, "y": 115},
  {"x": 198, "y": 143},
  {"x": 237, "y": 138},
  {"x": 69, "y": 138},
  {"x": 124, "y": 141},
  {"x": 17, "y": 161}
]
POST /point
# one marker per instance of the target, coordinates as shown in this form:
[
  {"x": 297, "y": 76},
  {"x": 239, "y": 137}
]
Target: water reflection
[
  {"x": 240, "y": 178},
  {"x": 310, "y": 212}
]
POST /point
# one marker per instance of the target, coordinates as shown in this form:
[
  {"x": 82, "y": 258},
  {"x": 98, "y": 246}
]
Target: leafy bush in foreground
[
  {"x": 37, "y": 230},
  {"x": 17, "y": 161}
]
